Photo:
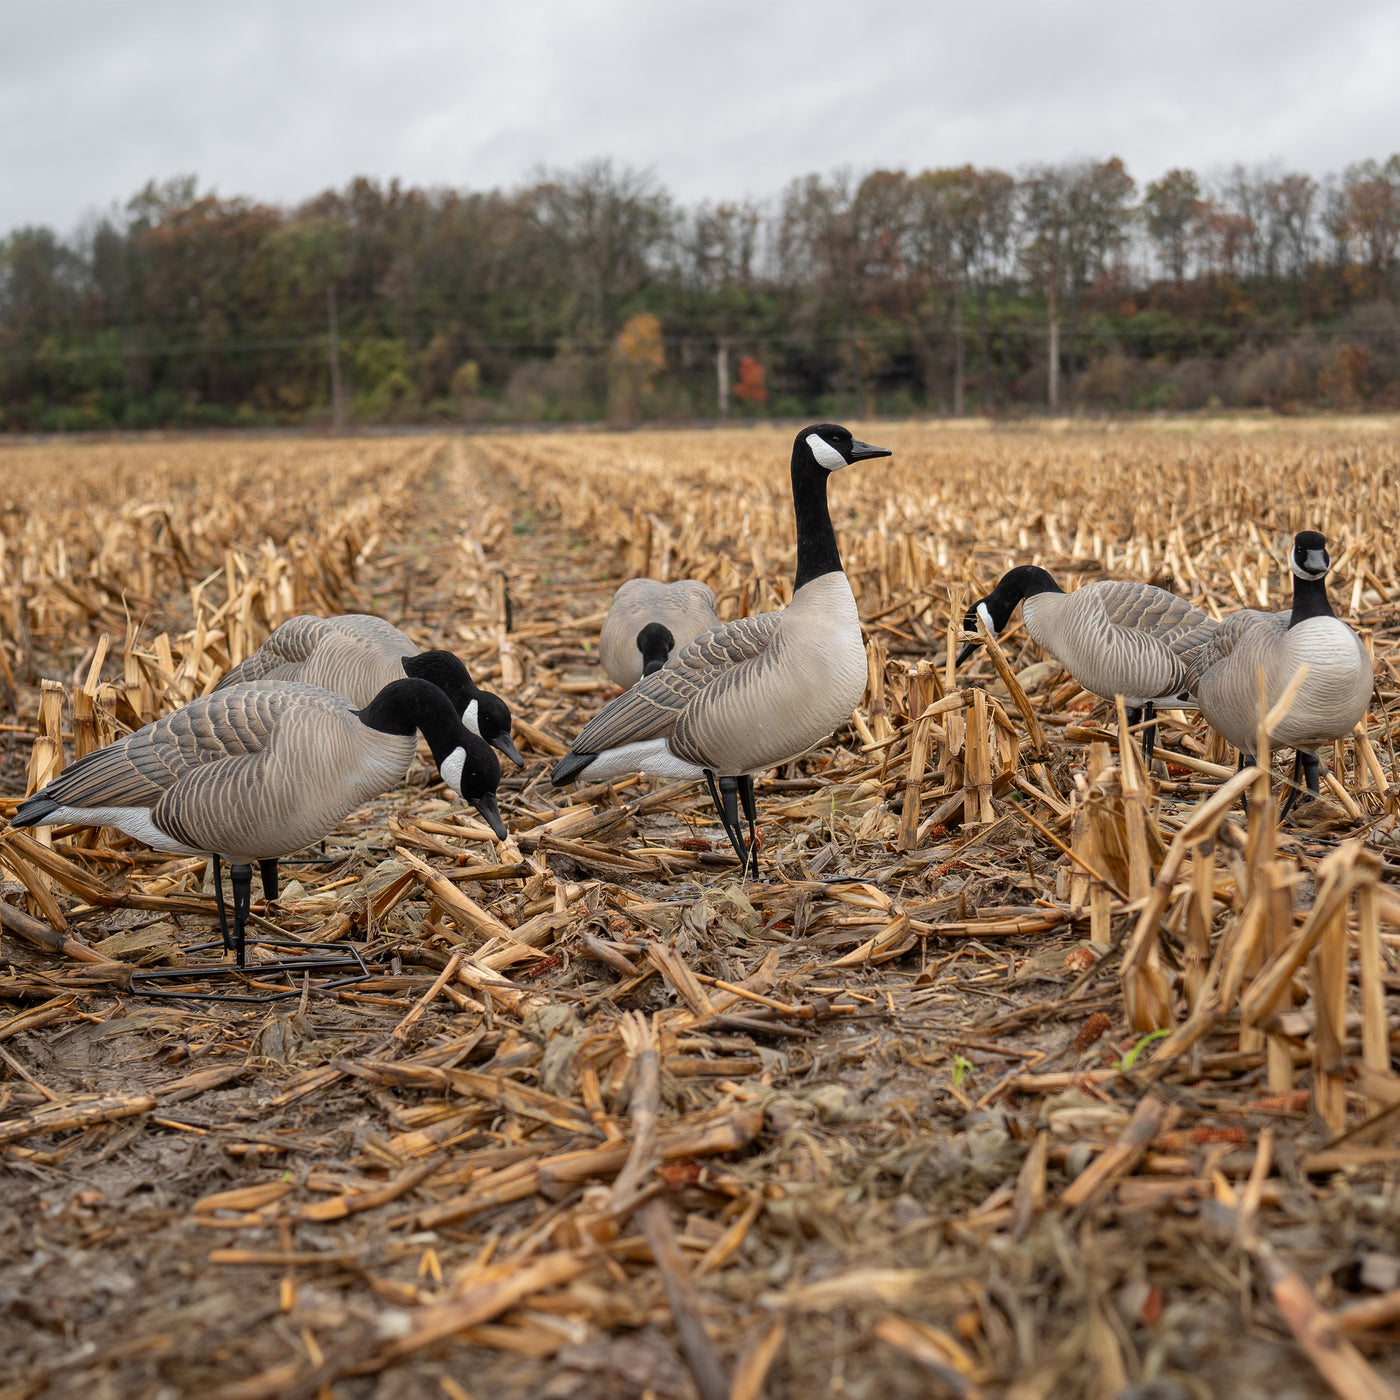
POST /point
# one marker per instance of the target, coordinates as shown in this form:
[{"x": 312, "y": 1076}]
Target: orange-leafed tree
[
  {"x": 751, "y": 387},
  {"x": 638, "y": 356}
]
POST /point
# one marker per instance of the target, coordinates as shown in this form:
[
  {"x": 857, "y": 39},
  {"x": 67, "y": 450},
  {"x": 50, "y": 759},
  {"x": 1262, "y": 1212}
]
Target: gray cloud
[{"x": 280, "y": 98}]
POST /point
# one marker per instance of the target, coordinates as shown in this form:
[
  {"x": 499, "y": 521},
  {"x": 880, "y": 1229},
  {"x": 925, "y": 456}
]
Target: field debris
[{"x": 1022, "y": 1070}]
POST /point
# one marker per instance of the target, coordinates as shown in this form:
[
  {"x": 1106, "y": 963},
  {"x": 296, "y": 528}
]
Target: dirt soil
[{"x": 866, "y": 1169}]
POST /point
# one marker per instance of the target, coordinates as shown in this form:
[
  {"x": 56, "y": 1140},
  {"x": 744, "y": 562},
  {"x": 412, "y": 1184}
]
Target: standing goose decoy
[
  {"x": 255, "y": 772},
  {"x": 1114, "y": 636},
  {"x": 357, "y": 655},
  {"x": 752, "y": 693},
  {"x": 649, "y": 622},
  {"x": 1333, "y": 698}
]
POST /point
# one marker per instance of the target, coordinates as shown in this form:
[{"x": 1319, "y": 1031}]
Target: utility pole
[
  {"x": 337, "y": 398},
  {"x": 1054, "y": 310},
  {"x": 722, "y": 376},
  {"x": 958, "y": 352}
]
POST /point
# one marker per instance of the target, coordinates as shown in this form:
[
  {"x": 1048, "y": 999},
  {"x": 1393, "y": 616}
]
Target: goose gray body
[
  {"x": 681, "y": 610},
  {"x": 1333, "y": 698},
  {"x": 255, "y": 771},
  {"x": 745, "y": 696},
  {"x": 357, "y": 655},
  {"x": 248, "y": 773},
  {"x": 1114, "y": 636}
]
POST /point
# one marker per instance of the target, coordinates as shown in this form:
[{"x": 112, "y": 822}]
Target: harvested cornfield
[{"x": 1022, "y": 1070}]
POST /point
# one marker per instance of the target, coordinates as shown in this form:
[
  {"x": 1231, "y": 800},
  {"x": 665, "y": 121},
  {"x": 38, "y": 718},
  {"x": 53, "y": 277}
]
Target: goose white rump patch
[
  {"x": 827, "y": 456},
  {"x": 135, "y": 821},
  {"x": 651, "y": 757}
]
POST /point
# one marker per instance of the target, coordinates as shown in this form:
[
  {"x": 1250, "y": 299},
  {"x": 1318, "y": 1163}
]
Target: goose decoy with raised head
[
  {"x": 1224, "y": 672},
  {"x": 357, "y": 655},
  {"x": 755, "y": 692},
  {"x": 1114, "y": 636},
  {"x": 256, "y": 771},
  {"x": 649, "y": 622}
]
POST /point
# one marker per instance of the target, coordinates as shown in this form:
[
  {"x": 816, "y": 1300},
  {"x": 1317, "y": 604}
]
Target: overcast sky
[{"x": 280, "y": 98}]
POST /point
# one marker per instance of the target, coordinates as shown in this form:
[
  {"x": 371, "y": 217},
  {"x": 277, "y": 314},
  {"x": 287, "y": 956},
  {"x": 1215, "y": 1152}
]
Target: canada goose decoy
[
  {"x": 756, "y": 692},
  {"x": 1334, "y": 695},
  {"x": 1114, "y": 636},
  {"x": 254, "y": 772},
  {"x": 649, "y": 622},
  {"x": 357, "y": 655}
]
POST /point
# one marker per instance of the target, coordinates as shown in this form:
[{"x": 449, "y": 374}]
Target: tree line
[{"x": 592, "y": 293}]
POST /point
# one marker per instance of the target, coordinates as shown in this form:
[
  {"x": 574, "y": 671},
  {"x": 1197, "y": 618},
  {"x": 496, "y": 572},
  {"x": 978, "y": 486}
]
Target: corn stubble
[{"x": 1023, "y": 1068}]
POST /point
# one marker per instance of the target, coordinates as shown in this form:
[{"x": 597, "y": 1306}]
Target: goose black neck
[
  {"x": 413, "y": 704},
  {"x": 817, "y": 553},
  {"x": 1024, "y": 581},
  {"x": 445, "y": 670},
  {"x": 1309, "y": 600}
]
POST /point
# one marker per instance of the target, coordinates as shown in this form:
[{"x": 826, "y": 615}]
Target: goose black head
[
  {"x": 656, "y": 643},
  {"x": 1309, "y": 559},
  {"x": 832, "y": 446},
  {"x": 1024, "y": 581},
  {"x": 472, "y": 771},
  {"x": 492, "y": 721},
  {"x": 482, "y": 712},
  {"x": 465, "y": 761}
]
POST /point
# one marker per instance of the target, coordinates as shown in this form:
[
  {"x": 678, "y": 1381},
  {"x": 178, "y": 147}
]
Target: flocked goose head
[
  {"x": 482, "y": 712},
  {"x": 1309, "y": 559},
  {"x": 833, "y": 447}
]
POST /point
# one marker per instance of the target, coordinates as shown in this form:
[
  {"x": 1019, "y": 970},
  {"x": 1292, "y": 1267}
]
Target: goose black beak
[
  {"x": 488, "y": 809},
  {"x": 860, "y": 451},
  {"x": 506, "y": 745},
  {"x": 965, "y": 651}
]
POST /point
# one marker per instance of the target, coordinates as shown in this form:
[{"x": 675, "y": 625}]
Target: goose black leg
[
  {"x": 727, "y": 808},
  {"x": 748, "y": 856},
  {"x": 1312, "y": 773},
  {"x": 242, "y": 903},
  {"x": 268, "y": 870},
  {"x": 1245, "y": 760},
  {"x": 1149, "y": 734},
  {"x": 1305, "y": 770},
  {"x": 219, "y": 905},
  {"x": 751, "y": 815}
]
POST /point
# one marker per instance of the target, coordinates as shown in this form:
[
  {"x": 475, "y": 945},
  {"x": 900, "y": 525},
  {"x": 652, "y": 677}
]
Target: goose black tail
[
  {"x": 569, "y": 767},
  {"x": 33, "y": 811}
]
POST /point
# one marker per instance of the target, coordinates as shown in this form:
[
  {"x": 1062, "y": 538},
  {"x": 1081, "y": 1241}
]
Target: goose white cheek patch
[
  {"x": 1318, "y": 567},
  {"x": 985, "y": 614},
  {"x": 451, "y": 769},
  {"x": 827, "y": 456},
  {"x": 470, "y": 720}
]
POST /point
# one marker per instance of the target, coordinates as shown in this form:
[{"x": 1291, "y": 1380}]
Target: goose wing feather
[
  {"x": 1170, "y": 619},
  {"x": 707, "y": 667},
  {"x": 1247, "y": 630},
  {"x": 291, "y": 645}
]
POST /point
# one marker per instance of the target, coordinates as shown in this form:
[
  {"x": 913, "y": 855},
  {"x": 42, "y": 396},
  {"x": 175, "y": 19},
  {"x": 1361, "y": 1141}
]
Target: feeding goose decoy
[
  {"x": 357, "y": 655},
  {"x": 253, "y": 772},
  {"x": 1114, "y": 636},
  {"x": 1224, "y": 672},
  {"x": 755, "y": 692},
  {"x": 649, "y": 621}
]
